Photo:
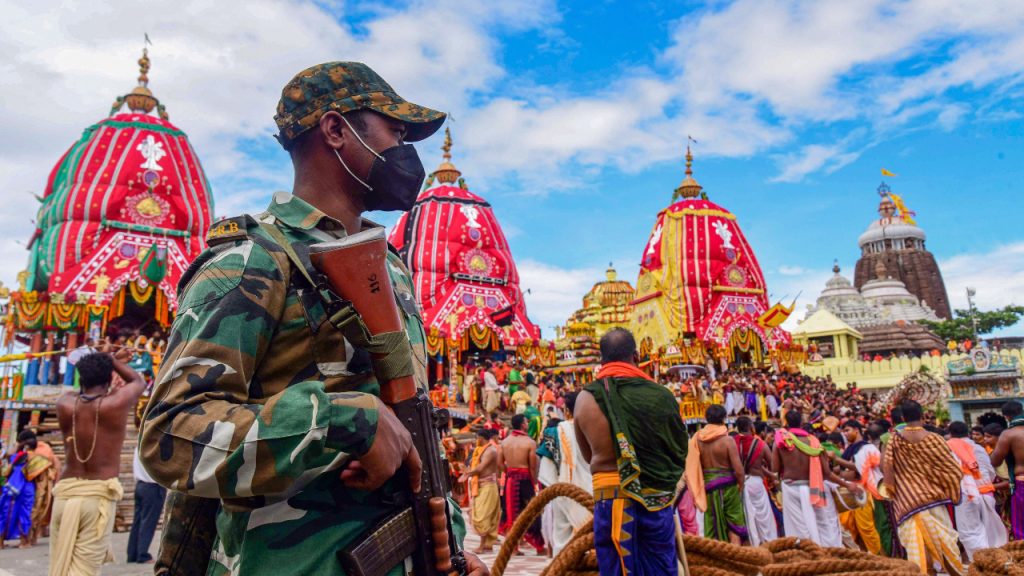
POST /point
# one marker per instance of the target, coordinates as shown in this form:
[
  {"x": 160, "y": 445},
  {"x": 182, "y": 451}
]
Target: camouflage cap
[{"x": 344, "y": 87}]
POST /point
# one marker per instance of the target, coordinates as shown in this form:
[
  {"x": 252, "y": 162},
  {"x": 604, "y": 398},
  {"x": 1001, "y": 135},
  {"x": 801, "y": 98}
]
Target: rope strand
[{"x": 707, "y": 557}]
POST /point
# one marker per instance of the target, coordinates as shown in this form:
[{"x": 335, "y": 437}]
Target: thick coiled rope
[
  {"x": 1005, "y": 561},
  {"x": 707, "y": 557}
]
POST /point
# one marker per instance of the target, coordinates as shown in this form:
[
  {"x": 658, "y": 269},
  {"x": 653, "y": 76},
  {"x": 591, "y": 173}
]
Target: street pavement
[{"x": 35, "y": 561}]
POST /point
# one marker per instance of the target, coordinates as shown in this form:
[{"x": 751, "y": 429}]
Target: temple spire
[
  {"x": 141, "y": 100},
  {"x": 447, "y": 173},
  {"x": 688, "y": 188}
]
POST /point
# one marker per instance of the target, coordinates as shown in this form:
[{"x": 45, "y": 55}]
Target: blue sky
[{"x": 571, "y": 118}]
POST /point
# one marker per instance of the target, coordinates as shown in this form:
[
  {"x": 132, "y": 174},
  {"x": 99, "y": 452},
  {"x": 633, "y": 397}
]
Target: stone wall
[{"x": 885, "y": 373}]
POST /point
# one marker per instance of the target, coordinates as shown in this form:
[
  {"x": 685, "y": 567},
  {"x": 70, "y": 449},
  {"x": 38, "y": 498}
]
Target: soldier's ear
[{"x": 333, "y": 130}]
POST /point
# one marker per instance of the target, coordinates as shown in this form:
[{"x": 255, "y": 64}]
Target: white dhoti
[
  {"x": 828, "y": 520},
  {"x": 758, "y": 509},
  {"x": 491, "y": 400},
  {"x": 738, "y": 402},
  {"x": 978, "y": 524},
  {"x": 994, "y": 527},
  {"x": 729, "y": 404},
  {"x": 546, "y": 476},
  {"x": 566, "y": 515},
  {"x": 799, "y": 518}
]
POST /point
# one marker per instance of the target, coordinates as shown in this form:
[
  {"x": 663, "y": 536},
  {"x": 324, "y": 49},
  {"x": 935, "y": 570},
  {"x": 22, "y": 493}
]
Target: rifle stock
[{"x": 356, "y": 270}]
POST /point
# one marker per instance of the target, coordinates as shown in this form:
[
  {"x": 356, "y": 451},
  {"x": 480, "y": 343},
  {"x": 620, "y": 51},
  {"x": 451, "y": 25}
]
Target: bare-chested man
[
  {"x": 801, "y": 463},
  {"x": 93, "y": 422},
  {"x": 483, "y": 489},
  {"x": 756, "y": 458},
  {"x": 519, "y": 459},
  {"x": 1010, "y": 448},
  {"x": 625, "y": 417},
  {"x": 715, "y": 475}
]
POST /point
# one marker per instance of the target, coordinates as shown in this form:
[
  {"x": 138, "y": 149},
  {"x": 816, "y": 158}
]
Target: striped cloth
[
  {"x": 931, "y": 542},
  {"x": 925, "y": 474}
]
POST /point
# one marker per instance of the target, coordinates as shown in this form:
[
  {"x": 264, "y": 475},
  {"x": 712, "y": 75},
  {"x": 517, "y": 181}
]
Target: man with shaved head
[{"x": 630, "y": 431}]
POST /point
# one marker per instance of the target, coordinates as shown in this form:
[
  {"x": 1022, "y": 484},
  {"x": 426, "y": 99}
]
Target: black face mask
[{"x": 395, "y": 177}]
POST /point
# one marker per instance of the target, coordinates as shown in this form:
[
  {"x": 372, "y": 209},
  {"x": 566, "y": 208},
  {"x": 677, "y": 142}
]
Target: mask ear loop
[
  {"x": 345, "y": 166},
  {"x": 351, "y": 173},
  {"x": 358, "y": 137}
]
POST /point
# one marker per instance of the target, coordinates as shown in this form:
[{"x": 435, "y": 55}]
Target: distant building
[
  {"x": 884, "y": 313},
  {"x": 895, "y": 241},
  {"x": 826, "y": 336},
  {"x": 981, "y": 382},
  {"x": 606, "y": 306}
]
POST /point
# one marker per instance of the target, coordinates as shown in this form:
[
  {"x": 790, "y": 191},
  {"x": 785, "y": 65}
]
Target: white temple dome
[
  {"x": 890, "y": 229},
  {"x": 838, "y": 286}
]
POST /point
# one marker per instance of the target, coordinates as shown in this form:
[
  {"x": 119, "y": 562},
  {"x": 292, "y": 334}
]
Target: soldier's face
[{"x": 380, "y": 134}]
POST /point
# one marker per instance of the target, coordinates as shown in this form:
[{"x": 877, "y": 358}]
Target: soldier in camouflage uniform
[{"x": 261, "y": 403}]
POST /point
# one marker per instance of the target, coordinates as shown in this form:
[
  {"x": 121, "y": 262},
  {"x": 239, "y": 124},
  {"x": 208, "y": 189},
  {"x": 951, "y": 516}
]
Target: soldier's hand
[
  {"x": 392, "y": 447},
  {"x": 475, "y": 566}
]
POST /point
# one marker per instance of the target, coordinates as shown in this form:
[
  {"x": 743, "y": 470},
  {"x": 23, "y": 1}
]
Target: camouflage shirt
[{"x": 260, "y": 402}]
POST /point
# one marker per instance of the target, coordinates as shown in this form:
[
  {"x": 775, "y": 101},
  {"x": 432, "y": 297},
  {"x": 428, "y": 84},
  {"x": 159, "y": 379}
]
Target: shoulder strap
[
  {"x": 749, "y": 456},
  {"x": 301, "y": 262}
]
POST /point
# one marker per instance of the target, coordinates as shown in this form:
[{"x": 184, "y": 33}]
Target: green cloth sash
[
  {"x": 649, "y": 434},
  {"x": 803, "y": 447}
]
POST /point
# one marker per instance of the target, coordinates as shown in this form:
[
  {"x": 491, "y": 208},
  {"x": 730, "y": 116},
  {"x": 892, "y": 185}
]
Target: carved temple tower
[{"x": 895, "y": 242}]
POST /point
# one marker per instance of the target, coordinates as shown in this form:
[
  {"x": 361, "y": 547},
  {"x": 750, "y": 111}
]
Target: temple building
[
  {"x": 606, "y": 305},
  {"x": 701, "y": 293},
  {"x": 124, "y": 212},
  {"x": 882, "y": 300},
  {"x": 889, "y": 297},
  {"x": 895, "y": 241},
  {"x": 463, "y": 273},
  {"x": 884, "y": 313}
]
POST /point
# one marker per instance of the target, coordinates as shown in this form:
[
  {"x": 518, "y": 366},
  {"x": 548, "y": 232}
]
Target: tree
[{"x": 961, "y": 327}]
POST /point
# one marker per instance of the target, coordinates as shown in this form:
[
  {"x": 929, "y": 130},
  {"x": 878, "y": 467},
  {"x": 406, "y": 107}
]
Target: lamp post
[{"x": 971, "y": 293}]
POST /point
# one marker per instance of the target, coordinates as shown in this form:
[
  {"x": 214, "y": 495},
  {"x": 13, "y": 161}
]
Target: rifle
[{"x": 366, "y": 311}]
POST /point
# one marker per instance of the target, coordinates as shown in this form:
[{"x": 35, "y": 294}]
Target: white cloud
[
  {"x": 787, "y": 270},
  {"x": 804, "y": 287},
  {"x": 810, "y": 159},
  {"x": 555, "y": 292},
  {"x": 997, "y": 275},
  {"x": 219, "y": 68},
  {"x": 792, "y": 64}
]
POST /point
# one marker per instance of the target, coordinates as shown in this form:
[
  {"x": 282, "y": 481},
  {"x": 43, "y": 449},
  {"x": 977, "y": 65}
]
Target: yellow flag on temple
[
  {"x": 887, "y": 173},
  {"x": 905, "y": 214}
]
